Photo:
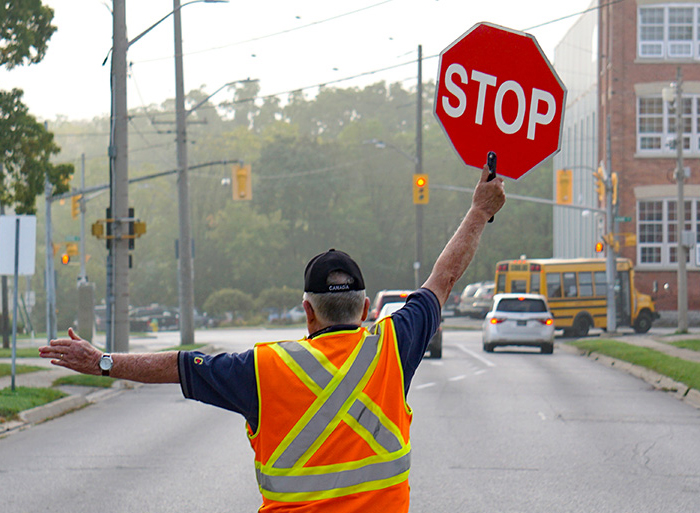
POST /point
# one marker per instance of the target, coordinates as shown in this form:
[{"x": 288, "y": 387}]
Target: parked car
[
  {"x": 519, "y": 320},
  {"x": 383, "y": 297},
  {"x": 480, "y": 303},
  {"x": 435, "y": 345}
]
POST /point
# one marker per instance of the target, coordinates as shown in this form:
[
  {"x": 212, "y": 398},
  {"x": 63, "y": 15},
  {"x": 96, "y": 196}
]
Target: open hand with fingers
[{"x": 73, "y": 353}]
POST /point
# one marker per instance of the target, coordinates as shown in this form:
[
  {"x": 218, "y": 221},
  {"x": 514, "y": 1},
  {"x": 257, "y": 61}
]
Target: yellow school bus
[{"x": 576, "y": 290}]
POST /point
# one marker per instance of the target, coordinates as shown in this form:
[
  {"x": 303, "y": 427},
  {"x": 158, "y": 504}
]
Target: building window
[
  {"x": 669, "y": 31},
  {"x": 657, "y": 240},
  {"x": 656, "y": 125}
]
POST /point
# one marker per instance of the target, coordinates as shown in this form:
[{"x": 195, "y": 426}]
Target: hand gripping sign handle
[{"x": 491, "y": 162}]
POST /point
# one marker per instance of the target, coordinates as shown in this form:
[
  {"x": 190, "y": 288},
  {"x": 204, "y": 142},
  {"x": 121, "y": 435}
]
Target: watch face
[{"x": 105, "y": 363}]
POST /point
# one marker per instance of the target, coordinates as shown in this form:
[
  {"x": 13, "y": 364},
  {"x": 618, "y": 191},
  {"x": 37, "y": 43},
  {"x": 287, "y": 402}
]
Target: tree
[
  {"x": 25, "y": 30},
  {"x": 25, "y": 145},
  {"x": 25, "y": 150}
]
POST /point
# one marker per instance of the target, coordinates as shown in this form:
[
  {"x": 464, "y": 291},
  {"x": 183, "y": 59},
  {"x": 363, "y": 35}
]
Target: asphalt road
[{"x": 513, "y": 431}]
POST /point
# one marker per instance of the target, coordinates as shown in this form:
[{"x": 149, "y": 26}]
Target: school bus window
[
  {"x": 570, "y": 285},
  {"x": 553, "y": 285},
  {"x": 601, "y": 284},
  {"x": 518, "y": 286},
  {"x": 501, "y": 285},
  {"x": 585, "y": 284},
  {"x": 535, "y": 283}
]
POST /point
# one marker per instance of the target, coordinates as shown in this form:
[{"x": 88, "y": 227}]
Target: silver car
[{"x": 519, "y": 320}]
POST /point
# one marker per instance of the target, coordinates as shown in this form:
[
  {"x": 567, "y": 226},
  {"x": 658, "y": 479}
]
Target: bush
[
  {"x": 223, "y": 301},
  {"x": 280, "y": 299}
]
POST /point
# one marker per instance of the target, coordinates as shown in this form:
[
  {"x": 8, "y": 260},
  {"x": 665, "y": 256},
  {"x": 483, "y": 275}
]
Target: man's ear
[
  {"x": 310, "y": 314},
  {"x": 365, "y": 311}
]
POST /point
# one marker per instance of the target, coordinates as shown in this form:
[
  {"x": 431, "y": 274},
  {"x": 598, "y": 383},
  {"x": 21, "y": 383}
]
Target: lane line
[
  {"x": 476, "y": 355},
  {"x": 458, "y": 378},
  {"x": 424, "y": 385}
]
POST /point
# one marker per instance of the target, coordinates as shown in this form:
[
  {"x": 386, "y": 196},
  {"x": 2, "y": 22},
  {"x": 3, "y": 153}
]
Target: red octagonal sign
[{"x": 498, "y": 92}]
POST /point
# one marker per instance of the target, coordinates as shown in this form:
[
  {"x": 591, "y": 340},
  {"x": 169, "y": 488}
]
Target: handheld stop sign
[{"x": 497, "y": 92}]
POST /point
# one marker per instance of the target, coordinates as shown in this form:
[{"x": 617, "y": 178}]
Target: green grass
[
  {"x": 6, "y": 369},
  {"x": 22, "y": 352},
  {"x": 684, "y": 371},
  {"x": 24, "y": 398},
  {"x": 84, "y": 380},
  {"x": 688, "y": 344}
]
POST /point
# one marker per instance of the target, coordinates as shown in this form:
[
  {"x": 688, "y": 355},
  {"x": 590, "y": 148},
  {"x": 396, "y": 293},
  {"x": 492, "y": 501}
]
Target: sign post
[
  {"x": 20, "y": 234},
  {"x": 498, "y": 92}
]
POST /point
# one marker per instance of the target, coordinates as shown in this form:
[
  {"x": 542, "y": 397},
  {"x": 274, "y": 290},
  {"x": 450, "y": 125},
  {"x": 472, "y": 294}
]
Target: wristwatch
[{"x": 106, "y": 363}]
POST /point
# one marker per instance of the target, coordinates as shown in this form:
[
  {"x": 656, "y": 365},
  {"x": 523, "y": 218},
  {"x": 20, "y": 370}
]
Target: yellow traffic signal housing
[
  {"x": 613, "y": 178},
  {"x": 72, "y": 249},
  {"x": 565, "y": 186},
  {"x": 421, "y": 191},
  {"x": 600, "y": 184},
  {"x": 75, "y": 205},
  {"x": 242, "y": 182}
]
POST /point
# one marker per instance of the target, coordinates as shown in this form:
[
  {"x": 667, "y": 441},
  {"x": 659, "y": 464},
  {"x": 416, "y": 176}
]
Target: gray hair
[{"x": 337, "y": 307}]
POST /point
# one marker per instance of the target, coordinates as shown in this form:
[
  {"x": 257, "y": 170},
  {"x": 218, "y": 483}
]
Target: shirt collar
[{"x": 331, "y": 329}]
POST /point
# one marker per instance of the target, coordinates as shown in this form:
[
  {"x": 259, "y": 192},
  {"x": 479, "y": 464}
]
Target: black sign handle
[{"x": 491, "y": 162}]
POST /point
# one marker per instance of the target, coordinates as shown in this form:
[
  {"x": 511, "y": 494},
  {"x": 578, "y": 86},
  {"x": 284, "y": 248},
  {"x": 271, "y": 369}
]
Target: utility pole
[
  {"x": 186, "y": 270},
  {"x": 419, "y": 168},
  {"x": 682, "y": 252},
  {"x": 50, "y": 275},
  {"x": 118, "y": 297},
  {"x": 611, "y": 261}
]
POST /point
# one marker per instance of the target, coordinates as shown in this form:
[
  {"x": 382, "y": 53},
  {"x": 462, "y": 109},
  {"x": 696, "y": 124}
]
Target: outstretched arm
[
  {"x": 488, "y": 199},
  {"x": 79, "y": 355}
]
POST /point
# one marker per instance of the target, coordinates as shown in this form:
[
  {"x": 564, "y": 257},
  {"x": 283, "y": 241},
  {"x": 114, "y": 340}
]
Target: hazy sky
[{"x": 286, "y": 44}]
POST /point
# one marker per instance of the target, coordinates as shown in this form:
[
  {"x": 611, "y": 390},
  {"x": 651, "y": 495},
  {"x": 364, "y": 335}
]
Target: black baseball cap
[{"x": 320, "y": 266}]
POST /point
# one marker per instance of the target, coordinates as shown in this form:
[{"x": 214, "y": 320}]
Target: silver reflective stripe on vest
[
  {"x": 365, "y": 417},
  {"x": 330, "y": 409},
  {"x": 334, "y": 480}
]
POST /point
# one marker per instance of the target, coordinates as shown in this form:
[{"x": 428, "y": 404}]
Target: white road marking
[
  {"x": 424, "y": 385},
  {"x": 479, "y": 372},
  {"x": 542, "y": 415},
  {"x": 458, "y": 378},
  {"x": 476, "y": 355}
]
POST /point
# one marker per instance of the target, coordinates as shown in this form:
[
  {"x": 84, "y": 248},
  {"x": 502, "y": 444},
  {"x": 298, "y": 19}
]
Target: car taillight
[
  {"x": 496, "y": 320},
  {"x": 546, "y": 322}
]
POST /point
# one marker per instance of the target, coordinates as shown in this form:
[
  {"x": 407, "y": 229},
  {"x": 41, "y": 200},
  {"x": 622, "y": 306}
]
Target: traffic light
[
  {"x": 65, "y": 258},
  {"x": 75, "y": 205},
  {"x": 614, "y": 188},
  {"x": 242, "y": 184},
  {"x": 600, "y": 184},
  {"x": 599, "y": 246},
  {"x": 565, "y": 186},
  {"x": 421, "y": 192}
]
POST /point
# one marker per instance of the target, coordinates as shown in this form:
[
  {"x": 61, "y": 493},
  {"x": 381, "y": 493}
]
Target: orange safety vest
[{"x": 333, "y": 426}]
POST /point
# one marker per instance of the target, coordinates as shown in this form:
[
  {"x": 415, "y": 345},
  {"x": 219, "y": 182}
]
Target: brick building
[{"x": 636, "y": 48}]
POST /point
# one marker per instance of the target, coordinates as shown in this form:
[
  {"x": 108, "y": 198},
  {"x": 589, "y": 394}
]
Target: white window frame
[
  {"x": 667, "y": 136},
  {"x": 665, "y": 246},
  {"x": 665, "y": 47}
]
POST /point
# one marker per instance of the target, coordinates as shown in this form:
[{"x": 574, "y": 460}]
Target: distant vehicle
[
  {"x": 295, "y": 315},
  {"x": 154, "y": 318},
  {"x": 576, "y": 291},
  {"x": 480, "y": 303},
  {"x": 449, "y": 309},
  {"x": 519, "y": 320},
  {"x": 435, "y": 345},
  {"x": 386, "y": 296}
]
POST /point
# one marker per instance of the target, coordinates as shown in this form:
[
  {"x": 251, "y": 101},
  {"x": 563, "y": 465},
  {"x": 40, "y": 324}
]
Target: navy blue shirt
[{"x": 228, "y": 380}]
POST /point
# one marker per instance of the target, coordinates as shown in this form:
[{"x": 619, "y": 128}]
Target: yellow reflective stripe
[
  {"x": 349, "y": 400},
  {"x": 297, "y": 369},
  {"x": 312, "y": 411}
]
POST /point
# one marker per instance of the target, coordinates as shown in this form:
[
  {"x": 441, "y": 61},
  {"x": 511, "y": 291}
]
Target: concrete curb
[{"x": 660, "y": 382}]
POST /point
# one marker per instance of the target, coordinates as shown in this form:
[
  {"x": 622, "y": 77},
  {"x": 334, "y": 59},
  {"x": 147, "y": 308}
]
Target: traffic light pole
[
  {"x": 610, "y": 264},
  {"x": 419, "y": 169}
]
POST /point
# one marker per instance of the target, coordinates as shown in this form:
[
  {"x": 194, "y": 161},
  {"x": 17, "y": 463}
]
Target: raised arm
[
  {"x": 488, "y": 199},
  {"x": 79, "y": 355}
]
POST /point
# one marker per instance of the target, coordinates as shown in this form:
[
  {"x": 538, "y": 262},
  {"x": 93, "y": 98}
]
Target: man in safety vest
[{"x": 326, "y": 415}]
